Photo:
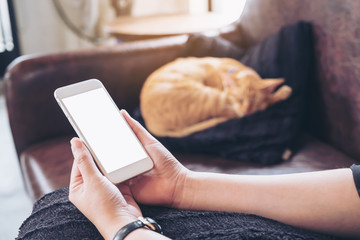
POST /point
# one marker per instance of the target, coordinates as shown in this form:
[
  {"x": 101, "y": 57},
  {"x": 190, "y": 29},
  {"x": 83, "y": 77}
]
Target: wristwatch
[{"x": 147, "y": 222}]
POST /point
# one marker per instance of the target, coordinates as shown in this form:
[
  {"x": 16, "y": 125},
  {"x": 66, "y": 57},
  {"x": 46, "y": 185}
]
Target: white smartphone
[{"x": 100, "y": 125}]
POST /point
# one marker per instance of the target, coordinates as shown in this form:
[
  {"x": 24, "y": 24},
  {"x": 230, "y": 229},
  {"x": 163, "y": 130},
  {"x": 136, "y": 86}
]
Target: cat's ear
[{"x": 270, "y": 84}]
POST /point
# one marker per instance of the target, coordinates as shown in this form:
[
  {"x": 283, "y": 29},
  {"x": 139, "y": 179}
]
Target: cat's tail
[{"x": 191, "y": 129}]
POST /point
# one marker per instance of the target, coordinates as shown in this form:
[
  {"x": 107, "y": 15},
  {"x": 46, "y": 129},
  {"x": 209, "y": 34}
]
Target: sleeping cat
[{"x": 192, "y": 94}]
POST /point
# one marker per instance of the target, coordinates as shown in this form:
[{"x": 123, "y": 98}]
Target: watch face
[{"x": 151, "y": 224}]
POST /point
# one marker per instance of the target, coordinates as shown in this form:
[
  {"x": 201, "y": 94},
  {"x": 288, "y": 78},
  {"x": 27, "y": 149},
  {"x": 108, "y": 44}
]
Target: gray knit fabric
[{"x": 54, "y": 217}]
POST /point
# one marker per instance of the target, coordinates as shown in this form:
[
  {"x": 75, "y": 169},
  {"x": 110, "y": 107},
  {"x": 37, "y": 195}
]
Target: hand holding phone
[{"x": 99, "y": 123}]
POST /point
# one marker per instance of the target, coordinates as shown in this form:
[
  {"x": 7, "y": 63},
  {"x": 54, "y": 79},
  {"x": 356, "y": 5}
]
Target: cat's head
[{"x": 254, "y": 94}]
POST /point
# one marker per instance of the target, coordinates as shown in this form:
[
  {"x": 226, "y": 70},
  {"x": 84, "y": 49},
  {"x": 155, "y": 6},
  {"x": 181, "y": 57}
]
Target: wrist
[
  {"x": 143, "y": 228},
  {"x": 184, "y": 195},
  {"x": 110, "y": 227}
]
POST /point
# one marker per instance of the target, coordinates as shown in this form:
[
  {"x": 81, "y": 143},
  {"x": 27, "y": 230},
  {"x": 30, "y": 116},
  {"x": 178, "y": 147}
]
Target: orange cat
[{"x": 193, "y": 94}]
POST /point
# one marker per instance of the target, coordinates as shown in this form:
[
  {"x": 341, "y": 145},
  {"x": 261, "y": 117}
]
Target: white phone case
[{"x": 85, "y": 129}]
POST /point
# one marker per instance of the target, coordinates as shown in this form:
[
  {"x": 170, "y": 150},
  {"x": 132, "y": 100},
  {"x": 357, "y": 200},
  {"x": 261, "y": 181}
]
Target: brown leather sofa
[{"x": 41, "y": 132}]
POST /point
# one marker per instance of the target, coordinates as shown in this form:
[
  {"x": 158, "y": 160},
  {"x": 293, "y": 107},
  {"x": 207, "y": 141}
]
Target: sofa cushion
[
  {"x": 46, "y": 166},
  {"x": 262, "y": 137}
]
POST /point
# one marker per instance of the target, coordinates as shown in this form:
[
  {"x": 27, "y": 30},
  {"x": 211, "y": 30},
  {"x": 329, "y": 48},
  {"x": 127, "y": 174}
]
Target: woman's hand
[
  {"x": 163, "y": 185},
  {"x": 96, "y": 197}
]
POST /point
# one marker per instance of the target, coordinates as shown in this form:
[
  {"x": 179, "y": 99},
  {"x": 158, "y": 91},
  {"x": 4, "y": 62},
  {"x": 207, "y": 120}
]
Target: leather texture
[{"x": 42, "y": 133}]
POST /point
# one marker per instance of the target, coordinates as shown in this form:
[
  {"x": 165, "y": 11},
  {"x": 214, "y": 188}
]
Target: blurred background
[
  {"x": 42, "y": 29},
  {"x": 51, "y": 26}
]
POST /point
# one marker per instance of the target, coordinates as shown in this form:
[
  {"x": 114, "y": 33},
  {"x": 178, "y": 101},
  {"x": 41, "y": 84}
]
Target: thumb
[
  {"x": 84, "y": 160},
  {"x": 142, "y": 134}
]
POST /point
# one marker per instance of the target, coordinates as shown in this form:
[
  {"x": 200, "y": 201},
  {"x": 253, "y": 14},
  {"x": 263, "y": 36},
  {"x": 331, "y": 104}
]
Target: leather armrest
[{"x": 30, "y": 82}]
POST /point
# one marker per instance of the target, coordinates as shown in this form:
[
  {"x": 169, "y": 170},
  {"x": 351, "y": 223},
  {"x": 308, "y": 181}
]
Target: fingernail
[
  {"x": 124, "y": 112},
  {"x": 75, "y": 145},
  {"x": 72, "y": 143}
]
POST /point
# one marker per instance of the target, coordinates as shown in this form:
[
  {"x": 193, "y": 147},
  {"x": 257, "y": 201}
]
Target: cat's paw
[
  {"x": 284, "y": 92},
  {"x": 281, "y": 94},
  {"x": 239, "y": 110}
]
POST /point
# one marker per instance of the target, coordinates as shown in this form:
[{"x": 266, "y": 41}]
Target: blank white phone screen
[{"x": 104, "y": 129}]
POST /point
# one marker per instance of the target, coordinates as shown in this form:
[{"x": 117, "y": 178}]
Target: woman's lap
[{"x": 55, "y": 217}]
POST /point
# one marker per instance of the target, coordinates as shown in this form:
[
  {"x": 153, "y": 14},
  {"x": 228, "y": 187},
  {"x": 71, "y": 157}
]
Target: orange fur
[{"x": 193, "y": 94}]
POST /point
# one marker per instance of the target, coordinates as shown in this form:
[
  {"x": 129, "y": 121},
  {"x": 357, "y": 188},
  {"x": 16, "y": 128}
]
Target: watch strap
[{"x": 148, "y": 223}]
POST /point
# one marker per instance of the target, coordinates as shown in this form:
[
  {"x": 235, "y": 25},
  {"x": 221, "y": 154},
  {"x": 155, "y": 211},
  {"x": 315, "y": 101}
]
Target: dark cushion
[
  {"x": 199, "y": 45},
  {"x": 264, "y": 136}
]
